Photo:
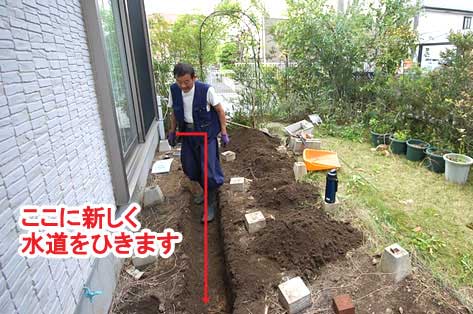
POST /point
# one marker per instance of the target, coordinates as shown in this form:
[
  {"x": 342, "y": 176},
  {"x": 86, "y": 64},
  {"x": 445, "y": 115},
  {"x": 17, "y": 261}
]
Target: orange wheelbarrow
[{"x": 318, "y": 160}]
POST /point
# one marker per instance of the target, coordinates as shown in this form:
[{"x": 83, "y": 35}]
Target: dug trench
[
  {"x": 175, "y": 285},
  {"x": 299, "y": 239}
]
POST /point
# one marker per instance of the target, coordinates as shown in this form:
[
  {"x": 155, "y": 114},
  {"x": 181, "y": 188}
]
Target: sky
[{"x": 275, "y": 8}]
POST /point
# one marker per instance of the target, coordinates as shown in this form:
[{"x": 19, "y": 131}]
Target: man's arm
[
  {"x": 173, "y": 122},
  {"x": 221, "y": 117}
]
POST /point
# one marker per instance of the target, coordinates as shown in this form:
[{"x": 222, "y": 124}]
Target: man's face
[{"x": 185, "y": 82}]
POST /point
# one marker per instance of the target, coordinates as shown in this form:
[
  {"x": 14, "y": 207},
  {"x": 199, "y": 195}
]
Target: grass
[{"x": 393, "y": 199}]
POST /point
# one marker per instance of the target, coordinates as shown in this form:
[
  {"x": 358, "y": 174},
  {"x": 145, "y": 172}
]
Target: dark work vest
[{"x": 204, "y": 121}]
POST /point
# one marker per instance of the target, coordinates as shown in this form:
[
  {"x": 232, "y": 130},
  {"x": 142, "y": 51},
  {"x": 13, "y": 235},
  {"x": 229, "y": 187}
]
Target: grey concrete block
[
  {"x": 142, "y": 262},
  {"x": 237, "y": 184},
  {"x": 152, "y": 195},
  {"x": 299, "y": 170},
  {"x": 254, "y": 221},
  {"x": 313, "y": 143},
  {"x": 228, "y": 156},
  {"x": 164, "y": 146},
  {"x": 332, "y": 206},
  {"x": 294, "y": 295},
  {"x": 396, "y": 261}
]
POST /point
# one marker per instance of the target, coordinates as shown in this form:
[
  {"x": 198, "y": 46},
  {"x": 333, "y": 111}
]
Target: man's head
[{"x": 185, "y": 76}]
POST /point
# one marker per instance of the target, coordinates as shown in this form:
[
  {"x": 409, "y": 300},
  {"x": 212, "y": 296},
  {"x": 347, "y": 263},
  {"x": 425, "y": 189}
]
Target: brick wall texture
[{"x": 52, "y": 148}]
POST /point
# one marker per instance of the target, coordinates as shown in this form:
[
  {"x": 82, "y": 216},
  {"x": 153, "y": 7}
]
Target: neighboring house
[
  {"x": 435, "y": 22},
  {"x": 77, "y": 124},
  {"x": 270, "y": 49}
]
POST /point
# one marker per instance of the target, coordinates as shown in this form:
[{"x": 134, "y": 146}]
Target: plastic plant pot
[
  {"x": 379, "y": 138},
  {"x": 435, "y": 161},
  {"x": 416, "y": 149},
  {"x": 398, "y": 147},
  {"x": 457, "y": 167}
]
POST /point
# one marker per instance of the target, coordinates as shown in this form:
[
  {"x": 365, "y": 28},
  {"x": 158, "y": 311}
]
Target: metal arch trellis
[
  {"x": 235, "y": 14},
  {"x": 256, "y": 57}
]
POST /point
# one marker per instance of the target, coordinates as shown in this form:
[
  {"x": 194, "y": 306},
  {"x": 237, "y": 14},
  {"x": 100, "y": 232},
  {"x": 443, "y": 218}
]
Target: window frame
[
  {"x": 467, "y": 22},
  {"x": 125, "y": 168}
]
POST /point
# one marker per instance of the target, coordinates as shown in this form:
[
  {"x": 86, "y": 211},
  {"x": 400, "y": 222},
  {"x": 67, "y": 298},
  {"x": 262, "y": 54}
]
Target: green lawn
[{"x": 393, "y": 199}]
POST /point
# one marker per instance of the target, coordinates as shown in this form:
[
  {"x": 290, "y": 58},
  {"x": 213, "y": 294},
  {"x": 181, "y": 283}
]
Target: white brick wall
[{"x": 52, "y": 147}]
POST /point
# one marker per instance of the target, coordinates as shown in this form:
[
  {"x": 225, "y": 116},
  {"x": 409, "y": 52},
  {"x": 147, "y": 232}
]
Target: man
[{"x": 196, "y": 108}]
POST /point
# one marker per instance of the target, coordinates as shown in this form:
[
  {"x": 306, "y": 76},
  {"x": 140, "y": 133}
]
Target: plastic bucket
[
  {"x": 435, "y": 161},
  {"x": 457, "y": 171},
  {"x": 379, "y": 138},
  {"x": 416, "y": 149},
  {"x": 398, "y": 147}
]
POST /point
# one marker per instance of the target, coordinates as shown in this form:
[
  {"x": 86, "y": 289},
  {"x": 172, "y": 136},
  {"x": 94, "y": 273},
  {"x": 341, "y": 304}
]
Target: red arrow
[{"x": 206, "y": 297}]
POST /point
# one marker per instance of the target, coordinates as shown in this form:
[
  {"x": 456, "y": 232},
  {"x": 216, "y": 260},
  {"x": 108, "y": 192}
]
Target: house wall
[
  {"x": 52, "y": 147},
  {"x": 435, "y": 26}
]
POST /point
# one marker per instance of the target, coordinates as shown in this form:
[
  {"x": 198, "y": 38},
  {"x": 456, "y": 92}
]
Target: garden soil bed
[{"x": 299, "y": 239}]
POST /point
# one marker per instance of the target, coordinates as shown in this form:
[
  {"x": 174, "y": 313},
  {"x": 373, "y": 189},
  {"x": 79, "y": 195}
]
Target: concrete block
[
  {"x": 313, "y": 143},
  {"x": 299, "y": 170},
  {"x": 142, "y": 262},
  {"x": 237, "y": 184},
  {"x": 332, "y": 206},
  {"x": 228, "y": 156},
  {"x": 292, "y": 140},
  {"x": 135, "y": 273},
  {"x": 164, "y": 146},
  {"x": 281, "y": 149},
  {"x": 152, "y": 195},
  {"x": 298, "y": 146},
  {"x": 396, "y": 261},
  {"x": 255, "y": 222},
  {"x": 294, "y": 295},
  {"x": 343, "y": 304}
]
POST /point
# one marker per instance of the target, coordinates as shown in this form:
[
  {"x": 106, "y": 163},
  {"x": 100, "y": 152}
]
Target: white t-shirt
[{"x": 188, "y": 99}]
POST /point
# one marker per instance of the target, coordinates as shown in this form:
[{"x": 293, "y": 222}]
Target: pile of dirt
[{"x": 305, "y": 242}]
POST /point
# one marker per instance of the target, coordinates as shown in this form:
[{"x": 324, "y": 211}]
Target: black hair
[{"x": 182, "y": 69}]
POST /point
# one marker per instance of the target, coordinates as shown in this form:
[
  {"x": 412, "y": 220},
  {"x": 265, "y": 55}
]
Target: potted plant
[
  {"x": 435, "y": 161},
  {"x": 416, "y": 149},
  {"x": 379, "y": 132},
  {"x": 398, "y": 142},
  {"x": 457, "y": 167}
]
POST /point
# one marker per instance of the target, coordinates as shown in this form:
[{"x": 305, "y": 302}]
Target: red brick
[{"x": 343, "y": 304}]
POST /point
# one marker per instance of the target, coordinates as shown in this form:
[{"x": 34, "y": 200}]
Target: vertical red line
[{"x": 206, "y": 213}]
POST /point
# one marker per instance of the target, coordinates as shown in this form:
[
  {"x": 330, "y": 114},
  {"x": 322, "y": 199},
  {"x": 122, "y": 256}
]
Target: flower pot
[
  {"x": 398, "y": 147},
  {"x": 379, "y": 138},
  {"x": 416, "y": 149},
  {"x": 457, "y": 167},
  {"x": 435, "y": 161}
]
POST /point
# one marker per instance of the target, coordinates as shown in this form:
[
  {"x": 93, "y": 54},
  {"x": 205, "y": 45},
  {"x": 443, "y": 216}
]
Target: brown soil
[{"x": 299, "y": 239}]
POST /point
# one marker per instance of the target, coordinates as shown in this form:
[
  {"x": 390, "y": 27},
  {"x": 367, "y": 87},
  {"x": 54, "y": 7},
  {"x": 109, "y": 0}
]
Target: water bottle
[{"x": 331, "y": 186}]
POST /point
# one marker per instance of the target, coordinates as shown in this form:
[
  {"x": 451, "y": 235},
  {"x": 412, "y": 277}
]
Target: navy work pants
[{"x": 192, "y": 159}]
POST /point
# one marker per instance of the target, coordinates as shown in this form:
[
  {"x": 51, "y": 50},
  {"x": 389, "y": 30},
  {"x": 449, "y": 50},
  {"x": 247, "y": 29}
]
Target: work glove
[
  {"x": 225, "y": 139},
  {"x": 172, "y": 139}
]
